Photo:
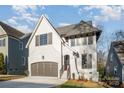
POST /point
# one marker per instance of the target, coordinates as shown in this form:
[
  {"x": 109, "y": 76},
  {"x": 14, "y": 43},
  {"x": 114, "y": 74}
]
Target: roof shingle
[
  {"x": 75, "y": 29},
  {"x": 11, "y": 31},
  {"x": 119, "y": 49}
]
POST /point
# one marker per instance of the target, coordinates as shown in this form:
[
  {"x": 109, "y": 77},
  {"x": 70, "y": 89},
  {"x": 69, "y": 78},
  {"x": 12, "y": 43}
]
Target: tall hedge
[{"x": 1, "y": 62}]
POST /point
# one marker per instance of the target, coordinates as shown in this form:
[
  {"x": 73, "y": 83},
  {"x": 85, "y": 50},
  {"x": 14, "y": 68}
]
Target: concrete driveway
[{"x": 32, "y": 82}]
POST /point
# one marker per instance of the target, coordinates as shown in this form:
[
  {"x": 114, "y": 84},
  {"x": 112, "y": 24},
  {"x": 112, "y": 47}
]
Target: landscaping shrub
[{"x": 2, "y": 66}]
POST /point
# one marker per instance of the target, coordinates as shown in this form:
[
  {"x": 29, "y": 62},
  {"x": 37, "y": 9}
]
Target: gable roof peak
[{"x": 11, "y": 30}]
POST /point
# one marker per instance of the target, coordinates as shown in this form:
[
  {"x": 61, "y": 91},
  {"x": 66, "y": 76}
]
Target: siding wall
[
  {"x": 111, "y": 63},
  {"x": 15, "y": 65},
  {"x": 24, "y": 53}
]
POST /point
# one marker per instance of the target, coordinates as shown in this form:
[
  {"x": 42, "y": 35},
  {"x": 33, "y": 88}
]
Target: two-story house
[
  {"x": 64, "y": 52},
  {"x": 10, "y": 48}
]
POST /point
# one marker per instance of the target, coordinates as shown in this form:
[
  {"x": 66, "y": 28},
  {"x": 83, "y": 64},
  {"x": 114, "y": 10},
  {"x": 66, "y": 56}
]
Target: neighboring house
[
  {"x": 64, "y": 52},
  {"x": 24, "y": 52},
  {"x": 115, "y": 61},
  {"x": 9, "y": 46}
]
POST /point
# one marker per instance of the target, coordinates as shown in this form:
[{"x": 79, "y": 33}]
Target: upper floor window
[
  {"x": 43, "y": 39},
  {"x": 21, "y": 45},
  {"x": 2, "y": 42},
  {"x": 86, "y": 61},
  {"x": 90, "y": 40},
  {"x": 78, "y": 41},
  {"x": 84, "y": 41},
  {"x": 72, "y": 42}
]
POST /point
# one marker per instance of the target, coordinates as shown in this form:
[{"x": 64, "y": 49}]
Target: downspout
[
  {"x": 75, "y": 56},
  {"x": 61, "y": 59},
  {"x": 61, "y": 54}
]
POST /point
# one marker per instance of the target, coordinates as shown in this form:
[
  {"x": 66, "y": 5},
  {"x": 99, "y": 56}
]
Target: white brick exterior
[{"x": 54, "y": 52}]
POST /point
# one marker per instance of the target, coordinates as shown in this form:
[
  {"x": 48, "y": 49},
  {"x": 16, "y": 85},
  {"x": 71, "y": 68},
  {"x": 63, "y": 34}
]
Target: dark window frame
[
  {"x": 21, "y": 45},
  {"x": 43, "y": 39},
  {"x": 73, "y": 42},
  {"x": 90, "y": 40},
  {"x": 84, "y": 41},
  {"x": 86, "y": 62}
]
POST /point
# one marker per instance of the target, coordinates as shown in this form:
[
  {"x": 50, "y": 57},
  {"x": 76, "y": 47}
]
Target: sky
[{"x": 24, "y": 18}]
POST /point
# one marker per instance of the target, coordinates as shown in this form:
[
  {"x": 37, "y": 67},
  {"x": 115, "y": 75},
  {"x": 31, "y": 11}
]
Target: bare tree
[{"x": 119, "y": 35}]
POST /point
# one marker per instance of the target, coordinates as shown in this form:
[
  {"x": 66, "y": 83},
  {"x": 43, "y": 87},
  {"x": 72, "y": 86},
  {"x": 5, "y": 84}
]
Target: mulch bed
[{"x": 80, "y": 84}]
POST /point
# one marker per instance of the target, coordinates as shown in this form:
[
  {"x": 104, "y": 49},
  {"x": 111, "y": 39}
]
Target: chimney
[
  {"x": 81, "y": 22},
  {"x": 89, "y": 22}
]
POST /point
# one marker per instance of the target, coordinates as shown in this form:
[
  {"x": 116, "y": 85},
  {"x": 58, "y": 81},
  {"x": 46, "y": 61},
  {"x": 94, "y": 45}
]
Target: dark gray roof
[
  {"x": 75, "y": 29},
  {"x": 11, "y": 31},
  {"x": 119, "y": 49}
]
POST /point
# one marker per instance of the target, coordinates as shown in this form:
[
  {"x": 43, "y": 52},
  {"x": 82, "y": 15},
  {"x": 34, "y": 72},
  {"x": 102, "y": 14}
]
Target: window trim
[
  {"x": 21, "y": 45},
  {"x": 86, "y": 65},
  {"x": 91, "y": 42},
  {"x": 84, "y": 39},
  {"x": 73, "y": 40},
  {"x": 43, "y": 39},
  {"x": 2, "y": 42}
]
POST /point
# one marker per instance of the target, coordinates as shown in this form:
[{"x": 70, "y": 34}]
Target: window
[
  {"x": 78, "y": 41},
  {"x": 84, "y": 41},
  {"x": 2, "y": 42},
  {"x": 90, "y": 40},
  {"x": 115, "y": 70},
  {"x": 21, "y": 45},
  {"x": 89, "y": 63},
  {"x": 23, "y": 61},
  {"x": 16, "y": 69},
  {"x": 10, "y": 69},
  {"x": 86, "y": 61},
  {"x": 72, "y": 42},
  {"x": 43, "y": 39}
]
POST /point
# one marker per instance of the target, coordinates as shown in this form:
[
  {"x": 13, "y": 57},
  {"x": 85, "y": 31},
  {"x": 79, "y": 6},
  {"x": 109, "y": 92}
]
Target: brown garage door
[{"x": 44, "y": 69}]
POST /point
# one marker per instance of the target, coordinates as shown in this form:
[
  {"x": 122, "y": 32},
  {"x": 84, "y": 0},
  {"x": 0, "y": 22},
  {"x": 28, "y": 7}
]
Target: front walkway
[{"x": 32, "y": 82}]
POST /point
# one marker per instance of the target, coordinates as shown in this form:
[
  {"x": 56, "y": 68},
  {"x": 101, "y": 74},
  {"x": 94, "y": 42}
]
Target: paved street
[{"x": 32, "y": 82}]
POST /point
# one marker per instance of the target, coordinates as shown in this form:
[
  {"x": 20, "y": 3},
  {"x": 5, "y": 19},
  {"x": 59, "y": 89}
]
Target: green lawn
[
  {"x": 10, "y": 77},
  {"x": 80, "y": 84}
]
